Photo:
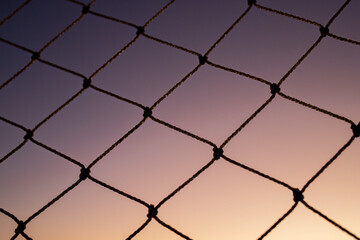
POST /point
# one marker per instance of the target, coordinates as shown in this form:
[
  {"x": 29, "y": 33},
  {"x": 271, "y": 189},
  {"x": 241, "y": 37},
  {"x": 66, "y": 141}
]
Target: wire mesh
[{"x": 219, "y": 152}]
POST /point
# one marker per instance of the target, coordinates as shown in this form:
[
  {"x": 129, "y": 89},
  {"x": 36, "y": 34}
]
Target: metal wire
[{"x": 84, "y": 171}]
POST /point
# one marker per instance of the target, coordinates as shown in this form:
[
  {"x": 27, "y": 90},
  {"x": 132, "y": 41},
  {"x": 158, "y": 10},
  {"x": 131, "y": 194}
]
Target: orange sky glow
[{"x": 149, "y": 55}]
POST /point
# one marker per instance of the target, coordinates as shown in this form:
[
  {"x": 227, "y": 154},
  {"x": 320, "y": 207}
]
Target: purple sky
[{"x": 286, "y": 140}]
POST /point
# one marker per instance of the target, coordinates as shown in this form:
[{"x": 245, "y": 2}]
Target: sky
[{"x": 286, "y": 140}]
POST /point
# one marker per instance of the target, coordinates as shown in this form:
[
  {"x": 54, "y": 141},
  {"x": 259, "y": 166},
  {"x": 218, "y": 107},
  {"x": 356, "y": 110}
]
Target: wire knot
[
  {"x": 35, "y": 55},
  {"x": 251, "y": 2},
  {"x": 324, "y": 31},
  {"x": 140, "y": 30},
  {"x": 85, "y": 9},
  {"x": 152, "y": 211},
  {"x": 29, "y": 134},
  {"x": 274, "y": 88},
  {"x": 20, "y": 228},
  {"x": 84, "y": 173},
  {"x": 86, "y": 83},
  {"x": 202, "y": 59},
  {"x": 356, "y": 129},
  {"x": 217, "y": 153},
  {"x": 298, "y": 196},
  {"x": 147, "y": 112}
]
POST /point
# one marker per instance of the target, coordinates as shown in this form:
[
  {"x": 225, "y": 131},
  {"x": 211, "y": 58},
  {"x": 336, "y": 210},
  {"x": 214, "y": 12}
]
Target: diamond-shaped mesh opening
[{"x": 179, "y": 120}]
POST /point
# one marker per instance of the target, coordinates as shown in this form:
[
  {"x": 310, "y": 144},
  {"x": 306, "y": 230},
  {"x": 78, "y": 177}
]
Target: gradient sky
[{"x": 286, "y": 141}]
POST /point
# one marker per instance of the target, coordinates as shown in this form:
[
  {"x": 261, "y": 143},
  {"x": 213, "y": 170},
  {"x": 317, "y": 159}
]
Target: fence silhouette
[{"x": 218, "y": 153}]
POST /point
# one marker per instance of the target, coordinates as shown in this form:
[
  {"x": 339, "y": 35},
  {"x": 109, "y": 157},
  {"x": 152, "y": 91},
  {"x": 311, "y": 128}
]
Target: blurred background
[{"x": 286, "y": 140}]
